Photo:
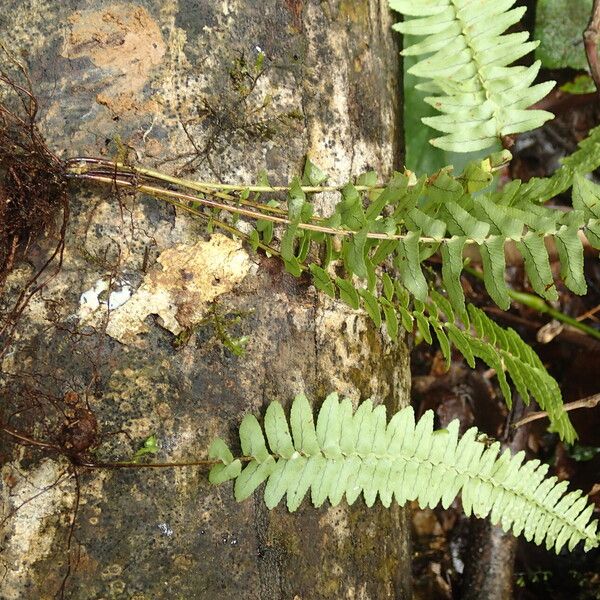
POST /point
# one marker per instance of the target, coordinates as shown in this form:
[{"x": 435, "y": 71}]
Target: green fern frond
[
  {"x": 502, "y": 350},
  {"x": 351, "y": 453},
  {"x": 405, "y": 223},
  {"x": 584, "y": 160},
  {"x": 466, "y": 67},
  {"x": 371, "y": 252}
]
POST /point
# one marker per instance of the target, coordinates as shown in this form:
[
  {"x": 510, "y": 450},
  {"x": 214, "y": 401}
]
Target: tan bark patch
[{"x": 123, "y": 40}]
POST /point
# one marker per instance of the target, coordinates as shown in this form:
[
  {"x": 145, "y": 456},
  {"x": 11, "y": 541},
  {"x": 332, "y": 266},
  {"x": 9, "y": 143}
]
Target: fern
[
  {"x": 385, "y": 234},
  {"x": 348, "y": 454},
  {"x": 501, "y": 349},
  {"x": 466, "y": 67},
  {"x": 584, "y": 160},
  {"x": 371, "y": 251}
]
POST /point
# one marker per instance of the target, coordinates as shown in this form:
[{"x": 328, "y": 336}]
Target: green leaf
[
  {"x": 494, "y": 265},
  {"x": 303, "y": 428},
  {"x": 559, "y": 26},
  {"x": 408, "y": 263},
  {"x": 461, "y": 341},
  {"x": 322, "y": 280},
  {"x": 252, "y": 476},
  {"x": 417, "y": 219},
  {"x": 586, "y": 197},
  {"x": 371, "y": 306},
  {"x": 219, "y": 450},
  {"x": 461, "y": 223},
  {"x": 384, "y": 249},
  {"x": 570, "y": 252},
  {"x": 478, "y": 175},
  {"x": 293, "y": 266},
  {"x": 150, "y": 447},
  {"x": 442, "y": 304},
  {"x": 221, "y": 473},
  {"x": 252, "y": 439},
  {"x": 277, "y": 431},
  {"x": 391, "y": 320},
  {"x": 444, "y": 343},
  {"x": 423, "y": 325},
  {"x": 388, "y": 286},
  {"x": 348, "y": 293},
  {"x": 537, "y": 265},
  {"x": 582, "y": 84},
  {"x": 503, "y": 220},
  {"x": 368, "y": 179},
  {"x": 354, "y": 254},
  {"x": 254, "y": 239},
  {"x": 350, "y": 209},
  {"x": 452, "y": 265},
  {"x": 312, "y": 174},
  {"x": 393, "y": 192}
]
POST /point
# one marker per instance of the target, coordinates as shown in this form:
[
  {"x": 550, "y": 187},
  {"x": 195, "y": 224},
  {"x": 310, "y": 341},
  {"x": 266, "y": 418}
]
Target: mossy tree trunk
[{"x": 180, "y": 85}]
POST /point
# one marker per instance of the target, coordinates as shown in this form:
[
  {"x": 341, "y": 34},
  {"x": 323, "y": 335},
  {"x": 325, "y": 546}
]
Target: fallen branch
[{"x": 590, "y": 402}]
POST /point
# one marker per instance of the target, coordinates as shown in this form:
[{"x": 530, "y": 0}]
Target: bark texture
[{"x": 174, "y": 84}]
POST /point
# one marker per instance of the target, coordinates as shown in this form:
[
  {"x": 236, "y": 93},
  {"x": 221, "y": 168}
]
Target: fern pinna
[
  {"x": 349, "y": 453},
  {"x": 467, "y": 72}
]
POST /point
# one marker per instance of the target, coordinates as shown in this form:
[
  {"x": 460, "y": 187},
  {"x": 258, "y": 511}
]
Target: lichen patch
[
  {"x": 180, "y": 288},
  {"x": 36, "y": 500}
]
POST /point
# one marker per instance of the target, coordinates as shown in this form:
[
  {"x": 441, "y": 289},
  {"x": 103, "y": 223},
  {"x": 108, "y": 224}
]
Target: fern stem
[
  {"x": 163, "y": 465},
  {"x": 80, "y": 165},
  {"x": 256, "y": 211},
  {"x": 161, "y": 193},
  {"x": 221, "y": 225}
]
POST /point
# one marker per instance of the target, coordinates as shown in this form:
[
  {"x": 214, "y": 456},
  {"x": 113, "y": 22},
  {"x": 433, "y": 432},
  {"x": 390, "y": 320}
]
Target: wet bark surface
[{"x": 181, "y": 86}]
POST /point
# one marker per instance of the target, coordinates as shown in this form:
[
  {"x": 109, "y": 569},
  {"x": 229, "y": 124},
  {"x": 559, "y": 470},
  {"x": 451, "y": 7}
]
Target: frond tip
[
  {"x": 480, "y": 97},
  {"x": 350, "y": 453}
]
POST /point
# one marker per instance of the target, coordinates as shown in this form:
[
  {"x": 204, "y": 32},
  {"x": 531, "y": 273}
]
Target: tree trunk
[{"x": 180, "y": 86}]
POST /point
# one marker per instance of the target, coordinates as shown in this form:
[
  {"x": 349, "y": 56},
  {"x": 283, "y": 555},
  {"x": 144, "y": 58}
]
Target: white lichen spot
[
  {"x": 91, "y": 300},
  {"x": 165, "y": 529},
  {"x": 119, "y": 297},
  {"x": 34, "y": 503}
]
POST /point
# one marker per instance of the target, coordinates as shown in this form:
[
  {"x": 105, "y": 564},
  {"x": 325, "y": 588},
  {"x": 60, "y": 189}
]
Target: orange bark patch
[{"x": 124, "y": 41}]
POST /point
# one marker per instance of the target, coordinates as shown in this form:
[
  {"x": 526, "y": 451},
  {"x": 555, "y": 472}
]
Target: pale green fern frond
[
  {"x": 349, "y": 453},
  {"x": 480, "y": 97}
]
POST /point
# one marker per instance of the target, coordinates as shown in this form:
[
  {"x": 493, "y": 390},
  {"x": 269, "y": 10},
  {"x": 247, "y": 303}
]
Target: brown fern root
[{"x": 33, "y": 190}]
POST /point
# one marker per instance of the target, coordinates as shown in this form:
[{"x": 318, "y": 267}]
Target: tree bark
[{"x": 180, "y": 86}]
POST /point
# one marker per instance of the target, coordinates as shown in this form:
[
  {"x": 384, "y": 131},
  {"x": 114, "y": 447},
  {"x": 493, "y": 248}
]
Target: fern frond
[
  {"x": 466, "y": 67},
  {"x": 370, "y": 253},
  {"x": 352, "y": 453},
  {"x": 502, "y": 350},
  {"x": 584, "y": 160}
]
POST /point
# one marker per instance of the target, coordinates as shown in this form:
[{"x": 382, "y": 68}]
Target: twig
[
  {"x": 163, "y": 465},
  {"x": 589, "y": 314},
  {"x": 591, "y": 37},
  {"x": 590, "y": 402}
]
